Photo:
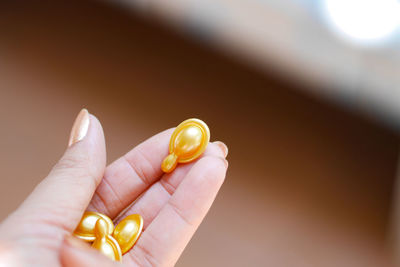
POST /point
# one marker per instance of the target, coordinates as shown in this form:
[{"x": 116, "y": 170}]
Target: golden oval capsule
[
  {"x": 188, "y": 142},
  {"x": 105, "y": 243},
  {"x": 85, "y": 228},
  {"x": 101, "y": 228},
  {"x": 128, "y": 231}
]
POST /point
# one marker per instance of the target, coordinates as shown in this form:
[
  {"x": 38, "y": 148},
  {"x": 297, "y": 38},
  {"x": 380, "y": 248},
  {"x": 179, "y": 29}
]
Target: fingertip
[
  {"x": 216, "y": 161},
  {"x": 226, "y": 162},
  {"x": 223, "y": 147},
  {"x": 214, "y": 149},
  {"x": 95, "y": 121}
]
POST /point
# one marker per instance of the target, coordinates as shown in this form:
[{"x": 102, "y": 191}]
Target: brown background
[{"x": 309, "y": 184}]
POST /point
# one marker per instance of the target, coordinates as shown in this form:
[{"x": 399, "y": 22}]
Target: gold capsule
[
  {"x": 86, "y": 227},
  {"x": 104, "y": 242},
  {"x": 128, "y": 231},
  {"x": 188, "y": 142}
]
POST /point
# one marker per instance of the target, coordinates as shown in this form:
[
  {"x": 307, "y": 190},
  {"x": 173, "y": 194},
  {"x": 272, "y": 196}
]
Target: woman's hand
[{"x": 173, "y": 205}]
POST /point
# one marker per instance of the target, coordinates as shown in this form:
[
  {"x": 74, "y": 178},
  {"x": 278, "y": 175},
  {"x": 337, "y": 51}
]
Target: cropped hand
[{"x": 172, "y": 205}]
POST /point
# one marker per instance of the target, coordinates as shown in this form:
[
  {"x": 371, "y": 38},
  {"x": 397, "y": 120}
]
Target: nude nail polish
[{"x": 80, "y": 127}]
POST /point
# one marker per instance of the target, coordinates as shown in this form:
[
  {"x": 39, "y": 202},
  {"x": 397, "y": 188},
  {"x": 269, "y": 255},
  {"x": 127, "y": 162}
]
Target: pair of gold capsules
[{"x": 188, "y": 142}]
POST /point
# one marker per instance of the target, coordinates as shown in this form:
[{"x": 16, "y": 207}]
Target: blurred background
[{"x": 305, "y": 93}]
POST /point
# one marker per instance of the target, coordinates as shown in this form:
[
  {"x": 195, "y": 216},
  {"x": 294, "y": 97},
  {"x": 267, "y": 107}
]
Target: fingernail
[
  {"x": 80, "y": 127},
  {"x": 75, "y": 242},
  {"x": 223, "y": 147}
]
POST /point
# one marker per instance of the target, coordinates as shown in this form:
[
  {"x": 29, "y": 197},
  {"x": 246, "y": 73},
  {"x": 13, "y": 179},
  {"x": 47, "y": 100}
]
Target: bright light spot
[{"x": 364, "y": 20}]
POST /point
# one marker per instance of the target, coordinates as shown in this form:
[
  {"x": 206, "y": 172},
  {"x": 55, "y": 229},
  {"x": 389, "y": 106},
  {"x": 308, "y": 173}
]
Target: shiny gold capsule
[
  {"x": 128, "y": 231},
  {"x": 104, "y": 242},
  {"x": 188, "y": 142},
  {"x": 86, "y": 227}
]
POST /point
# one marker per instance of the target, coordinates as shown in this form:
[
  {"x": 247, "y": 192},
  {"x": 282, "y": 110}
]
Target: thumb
[
  {"x": 64, "y": 194},
  {"x": 76, "y": 253}
]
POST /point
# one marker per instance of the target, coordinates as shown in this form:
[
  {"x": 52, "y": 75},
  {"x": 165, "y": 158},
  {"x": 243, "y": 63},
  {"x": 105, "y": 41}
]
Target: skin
[{"x": 173, "y": 205}]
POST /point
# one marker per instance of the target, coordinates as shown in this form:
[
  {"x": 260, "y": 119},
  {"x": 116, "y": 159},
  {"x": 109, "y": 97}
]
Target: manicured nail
[
  {"x": 80, "y": 127},
  {"x": 223, "y": 147}
]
